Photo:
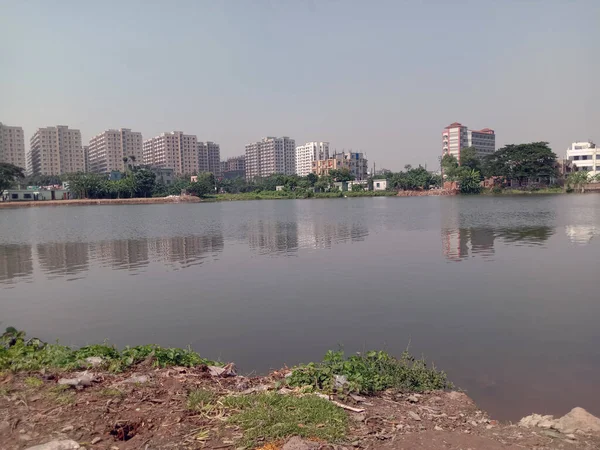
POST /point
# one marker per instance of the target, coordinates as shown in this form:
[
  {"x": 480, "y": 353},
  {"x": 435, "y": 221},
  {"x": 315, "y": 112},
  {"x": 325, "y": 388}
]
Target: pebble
[
  {"x": 137, "y": 379},
  {"x": 438, "y": 428},
  {"x": 413, "y": 399},
  {"x": 67, "y": 429},
  {"x": 57, "y": 445},
  {"x": 96, "y": 440},
  {"x": 473, "y": 423},
  {"x": 571, "y": 436},
  {"x": 413, "y": 415}
]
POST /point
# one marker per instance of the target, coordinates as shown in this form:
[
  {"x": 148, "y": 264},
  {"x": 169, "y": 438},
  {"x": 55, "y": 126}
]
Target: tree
[
  {"x": 469, "y": 180},
  {"x": 312, "y": 178},
  {"x": 144, "y": 182},
  {"x": 469, "y": 158},
  {"x": 449, "y": 166},
  {"x": 521, "y": 163},
  {"x": 357, "y": 188},
  {"x": 9, "y": 174},
  {"x": 578, "y": 179},
  {"x": 342, "y": 174}
]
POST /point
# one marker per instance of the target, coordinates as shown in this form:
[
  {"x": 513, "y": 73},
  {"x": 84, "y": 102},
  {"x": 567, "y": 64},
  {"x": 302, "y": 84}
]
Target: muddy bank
[
  {"x": 431, "y": 193},
  {"x": 104, "y": 201},
  {"x": 152, "y": 408}
]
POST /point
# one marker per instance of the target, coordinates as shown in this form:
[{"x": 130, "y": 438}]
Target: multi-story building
[
  {"x": 456, "y": 136},
  {"x": 108, "y": 149},
  {"x": 173, "y": 150},
  {"x": 584, "y": 156},
  {"x": 86, "y": 158},
  {"x": 269, "y": 156},
  {"x": 12, "y": 146},
  {"x": 355, "y": 162},
  {"x": 309, "y": 152},
  {"x": 234, "y": 167},
  {"x": 209, "y": 158},
  {"x": 55, "y": 151}
]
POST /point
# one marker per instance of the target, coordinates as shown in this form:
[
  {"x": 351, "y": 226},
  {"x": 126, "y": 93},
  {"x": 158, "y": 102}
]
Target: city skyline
[{"x": 363, "y": 76}]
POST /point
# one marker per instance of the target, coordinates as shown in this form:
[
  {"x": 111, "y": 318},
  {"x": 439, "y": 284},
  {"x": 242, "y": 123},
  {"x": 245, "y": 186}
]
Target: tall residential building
[
  {"x": 585, "y": 156},
  {"x": 309, "y": 152},
  {"x": 86, "y": 158},
  {"x": 355, "y": 162},
  {"x": 209, "y": 158},
  {"x": 269, "y": 156},
  {"x": 107, "y": 150},
  {"x": 12, "y": 146},
  {"x": 456, "y": 136},
  {"x": 173, "y": 150},
  {"x": 234, "y": 167},
  {"x": 55, "y": 151}
]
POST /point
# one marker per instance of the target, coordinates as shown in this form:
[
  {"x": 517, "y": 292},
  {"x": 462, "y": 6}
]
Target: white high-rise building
[
  {"x": 209, "y": 157},
  {"x": 585, "y": 156},
  {"x": 173, "y": 150},
  {"x": 269, "y": 156},
  {"x": 107, "y": 150},
  {"x": 12, "y": 146},
  {"x": 55, "y": 151},
  {"x": 309, "y": 152},
  {"x": 456, "y": 136}
]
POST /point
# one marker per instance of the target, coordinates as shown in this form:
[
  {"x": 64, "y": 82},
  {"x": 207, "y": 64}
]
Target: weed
[
  {"x": 200, "y": 399},
  {"x": 108, "y": 392},
  {"x": 33, "y": 382},
  {"x": 61, "y": 394},
  {"x": 272, "y": 416},
  {"x": 370, "y": 372}
]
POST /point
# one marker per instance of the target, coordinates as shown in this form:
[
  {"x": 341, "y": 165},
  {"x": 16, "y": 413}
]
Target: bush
[{"x": 370, "y": 372}]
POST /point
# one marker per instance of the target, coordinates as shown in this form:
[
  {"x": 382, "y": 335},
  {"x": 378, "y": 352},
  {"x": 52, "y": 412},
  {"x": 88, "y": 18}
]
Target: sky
[{"x": 382, "y": 77}]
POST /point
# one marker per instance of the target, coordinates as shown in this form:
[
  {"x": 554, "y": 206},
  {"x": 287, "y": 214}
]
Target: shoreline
[
  {"x": 102, "y": 201},
  {"x": 153, "y": 397}
]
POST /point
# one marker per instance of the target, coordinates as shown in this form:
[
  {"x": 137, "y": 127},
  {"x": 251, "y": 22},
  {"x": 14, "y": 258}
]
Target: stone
[
  {"x": 57, "y": 445},
  {"x": 473, "y": 423},
  {"x": 137, "y": 379},
  {"x": 96, "y": 440},
  {"x": 535, "y": 419},
  {"x": 94, "y": 361},
  {"x": 578, "y": 419},
  {"x": 80, "y": 381},
  {"x": 25, "y": 437},
  {"x": 436, "y": 400},
  {"x": 225, "y": 371},
  {"x": 413, "y": 415},
  {"x": 438, "y": 428},
  {"x": 412, "y": 399},
  {"x": 357, "y": 398},
  {"x": 339, "y": 381},
  {"x": 67, "y": 429},
  {"x": 571, "y": 436}
]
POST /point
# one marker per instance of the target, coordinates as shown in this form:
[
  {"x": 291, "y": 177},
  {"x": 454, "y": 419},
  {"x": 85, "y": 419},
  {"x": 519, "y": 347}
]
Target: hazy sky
[{"x": 381, "y": 76}]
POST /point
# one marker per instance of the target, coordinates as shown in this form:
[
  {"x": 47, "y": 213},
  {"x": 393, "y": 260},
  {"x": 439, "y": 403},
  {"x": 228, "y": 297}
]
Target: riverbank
[
  {"x": 293, "y": 195},
  {"x": 149, "y": 397},
  {"x": 104, "y": 201}
]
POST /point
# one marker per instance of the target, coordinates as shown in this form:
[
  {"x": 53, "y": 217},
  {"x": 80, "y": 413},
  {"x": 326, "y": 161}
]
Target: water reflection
[
  {"x": 581, "y": 234},
  {"x": 63, "y": 258},
  {"x": 15, "y": 262}
]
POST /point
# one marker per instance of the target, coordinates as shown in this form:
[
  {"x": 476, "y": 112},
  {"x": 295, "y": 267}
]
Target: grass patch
[
  {"x": 32, "y": 355},
  {"x": 110, "y": 392},
  {"x": 61, "y": 394},
  {"x": 33, "y": 382},
  {"x": 272, "y": 416},
  {"x": 370, "y": 372},
  {"x": 200, "y": 399}
]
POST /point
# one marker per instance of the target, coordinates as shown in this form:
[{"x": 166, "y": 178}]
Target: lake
[{"x": 501, "y": 292}]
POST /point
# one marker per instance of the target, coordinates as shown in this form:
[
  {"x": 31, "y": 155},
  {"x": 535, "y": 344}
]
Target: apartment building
[
  {"x": 86, "y": 158},
  {"x": 55, "y": 151},
  {"x": 585, "y": 156},
  {"x": 107, "y": 150},
  {"x": 456, "y": 136},
  {"x": 234, "y": 167},
  {"x": 269, "y": 156},
  {"x": 209, "y": 158},
  {"x": 309, "y": 152},
  {"x": 12, "y": 146},
  {"x": 174, "y": 150},
  {"x": 355, "y": 162}
]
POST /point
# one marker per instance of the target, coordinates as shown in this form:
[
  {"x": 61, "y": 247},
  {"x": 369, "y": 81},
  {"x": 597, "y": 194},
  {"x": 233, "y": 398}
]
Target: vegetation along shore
[{"x": 98, "y": 397}]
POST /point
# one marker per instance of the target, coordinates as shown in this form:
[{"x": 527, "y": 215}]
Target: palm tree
[{"x": 132, "y": 158}]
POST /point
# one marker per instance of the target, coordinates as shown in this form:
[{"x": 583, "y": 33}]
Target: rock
[
  {"x": 436, "y": 400},
  {"x": 80, "y": 381},
  {"x": 94, "y": 361},
  {"x": 57, "y": 445},
  {"x": 399, "y": 426},
  {"x": 535, "y": 420},
  {"x": 67, "y": 429},
  {"x": 571, "y": 436},
  {"x": 473, "y": 423},
  {"x": 357, "y": 398},
  {"x": 137, "y": 379},
  {"x": 438, "y": 428},
  {"x": 412, "y": 399},
  {"x": 578, "y": 419},
  {"x": 225, "y": 371},
  {"x": 96, "y": 440},
  {"x": 297, "y": 443},
  {"x": 413, "y": 415},
  {"x": 25, "y": 437},
  {"x": 339, "y": 381}
]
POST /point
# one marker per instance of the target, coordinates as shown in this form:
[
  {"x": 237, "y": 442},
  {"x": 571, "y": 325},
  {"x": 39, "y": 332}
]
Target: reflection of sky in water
[{"x": 581, "y": 234}]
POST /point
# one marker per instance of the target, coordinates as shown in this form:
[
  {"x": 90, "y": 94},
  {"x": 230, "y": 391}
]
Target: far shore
[{"x": 103, "y": 201}]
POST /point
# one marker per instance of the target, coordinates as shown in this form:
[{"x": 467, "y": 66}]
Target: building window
[{"x": 14, "y": 196}]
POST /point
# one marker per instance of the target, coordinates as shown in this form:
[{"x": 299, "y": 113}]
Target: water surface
[{"x": 501, "y": 292}]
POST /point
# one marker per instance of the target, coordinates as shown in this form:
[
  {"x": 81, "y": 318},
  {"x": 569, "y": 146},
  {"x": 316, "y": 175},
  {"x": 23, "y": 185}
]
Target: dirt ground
[{"x": 122, "y": 412}]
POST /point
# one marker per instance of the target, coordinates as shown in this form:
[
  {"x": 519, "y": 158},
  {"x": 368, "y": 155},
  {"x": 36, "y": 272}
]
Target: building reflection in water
[
  {"x": 63, "y": 258},
  {"x": 186, "y": 250},
  {"x": 15, "y": 262},
  {"x": 581, "y": 234}
]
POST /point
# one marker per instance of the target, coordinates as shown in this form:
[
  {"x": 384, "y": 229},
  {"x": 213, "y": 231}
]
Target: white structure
[
  {"x": 585, "y": 156},
  {"x": 12, "y": 146},
  {"x": 55, "y": 151},
  {"x": 107, "y": 150},
  {"x": 380, "y": 185},
  {"x": 309, "y": 152},
  {"x": 173, "y": 150},
  {"x": 209, "y": 158},
  {"x": 269, "y": 156},
  {"x": 456, "y": 136}
]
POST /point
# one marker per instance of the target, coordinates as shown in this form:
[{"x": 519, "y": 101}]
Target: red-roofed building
[{"x": 457, "y": 136}]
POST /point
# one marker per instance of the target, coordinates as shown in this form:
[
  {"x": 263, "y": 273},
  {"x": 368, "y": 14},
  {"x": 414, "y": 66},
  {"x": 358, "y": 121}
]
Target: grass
[
  {"x": 369, "y": 373},
  {"x": 111, "y": 392},
  {"x": 33, "y": 382},
  {"x": 523, "y": 191},
  {"x": 24, "y": 356},
  {"x": 283, "y": 195},
  {"x": 61, "y": 394},
  {"x": 200, "y": 399},
  {"x": 272, "y": 416}
]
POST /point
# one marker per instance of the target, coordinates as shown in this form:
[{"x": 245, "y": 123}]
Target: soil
[{"x": 117, "y": 414}]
